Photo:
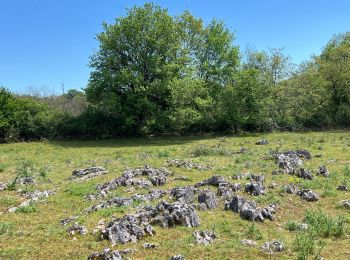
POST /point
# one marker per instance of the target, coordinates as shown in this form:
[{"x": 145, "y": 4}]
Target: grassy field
[{"x": 34, "y": 232}]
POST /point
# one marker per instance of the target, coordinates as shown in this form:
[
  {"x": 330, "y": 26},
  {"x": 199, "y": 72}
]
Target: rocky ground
[{"x": 281, "y": 196}]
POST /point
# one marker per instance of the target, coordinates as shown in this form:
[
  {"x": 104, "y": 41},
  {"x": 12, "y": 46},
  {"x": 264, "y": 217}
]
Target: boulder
[
  {"x": 345, "y": 204},
  {"x": 108, "y": 254},
  {"x": 291, "y": 188},
  {"x": 207, "y": 198},
  {"x": 126, "y": 229},
  {"x": 176, "y": 214},
  {"x": 3, "y": 186},
  {"x": 249, "y": 210},
  {"x": 213, "y": 181},
  {"x": 183, "y": 194},
  {"x": 308, "y": 195},
  {"x": 323, "y": 171},
  {"x": 255, "y": 188},
  {"x": 304, "y": 174},
  {"x": 226, "y": 189}
]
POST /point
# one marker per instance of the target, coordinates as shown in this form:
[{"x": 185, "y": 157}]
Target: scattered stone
[
  {"x": 3, "y": 186},
  {"x": 291, "y": 188},
  {"x": 255, "y": 188},
  {"x": 177, "y": 257},
  {"x": 323, "y": 171},
  {"x": 77, "y": 229},
  {"x": 66, "y": 221},
  {"x": 226, "y": 189},
  {"x": 149, "y": 246},
  {"x": 157, "y": 176},
  {"x": 108, "y": 254},
  {"x": 204, "y": 237},
  {"x": 289, "y": 163},
  {"x": 25, "y": 180},
  {"x": 256, "y": 177},
  {"x": 182, "y": 178},
  {"x": 35, "y": 195},
  {"x": 133, "y": 227},
  {"x": 183, "y": 194},
  {"x": 249, "y": 210},
  {"x": 88, "y": 173},
  {"x": 176, "y": 214},
  {"x": 126, "y": 201},
  {"x": 213, "y": 181},
  {"x": 32, "y": 197},
  {"x": 126, "y": 229},
  {"x": 188, "y": 165},
  {"x": 273, "y": 246},
  {"x": 207, "y": 199},
  {"x": 262, "y": 142},
  {"x": 308, "y": 195},
  {"x": 304, "y": 174},
  {"x": 345, "y": 204},
  {"x": 343, "y": 188},
  {"x": 248, "y": 242}
]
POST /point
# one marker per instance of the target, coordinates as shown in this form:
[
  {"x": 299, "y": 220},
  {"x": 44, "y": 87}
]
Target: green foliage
[
  {"x": 81, "y": 190},
  {"x": 27, "y": 209},
  {"x": 204, "y": 150},
  {"x": 6, "y": 228},
  {"x": 253, "y": 232}
]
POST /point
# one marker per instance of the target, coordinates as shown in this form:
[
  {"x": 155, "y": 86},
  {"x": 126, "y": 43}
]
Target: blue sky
[{"x": 46, "y": 42}]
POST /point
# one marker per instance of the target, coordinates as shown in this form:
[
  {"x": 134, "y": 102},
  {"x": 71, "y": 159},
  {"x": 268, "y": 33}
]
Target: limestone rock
[
  {"x": 204, "y": 237},
  {"x": 207, "y": 197},
  {"x": 88, "y": 172},
  {"x": 262, "y": 142},
  {"x": 308, "y": 195}
]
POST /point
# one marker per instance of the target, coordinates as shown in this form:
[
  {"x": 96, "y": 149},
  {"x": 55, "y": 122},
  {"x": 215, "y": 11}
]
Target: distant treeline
[{"x": 160, "y": 74}]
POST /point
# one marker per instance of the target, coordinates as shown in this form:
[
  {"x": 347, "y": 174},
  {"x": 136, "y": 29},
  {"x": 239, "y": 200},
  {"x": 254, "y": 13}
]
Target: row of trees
[{"x": 159, "y": 74}]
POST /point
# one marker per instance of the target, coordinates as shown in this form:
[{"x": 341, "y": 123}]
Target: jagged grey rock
[
  {"x": 249, "y": 209},
  {"x": 25, "y": 180},
  {"x": 66, "y": 221},
  {"x": 77, "y": 229},
  {"x": 126, "y": 229},
  {"x": 3, "y": 186},
  {"x": 273, "y": 246},
  {"x": 291, "y": 188},
  {"x": 177, "y": 257},
  {"x": 149, "y": 246},
  {"x": 343, "y": 188},
  {"x": 204, "y": 237},
  {"x": 345, "y": 204},
  {"x": 88, "y": 172},
  {"x": 213, "y": 181},
  {"x": 308, "y": 195},
  {"x": 304, "y": 174},
  {"x": 323, "y": 171},
  {"x": 176, "y": 214},
  {"x": 183, "y": 194},
  {"x": 207, "y": 199},
  {"x": 262, "y": 142},
  {"x": 255, "y": 188},
  {"x": 156, "y": 176},
  {"x": 108, "y": 254},
  {"x": 188, "y": 165},
  {"x": 226, "y": 189}
]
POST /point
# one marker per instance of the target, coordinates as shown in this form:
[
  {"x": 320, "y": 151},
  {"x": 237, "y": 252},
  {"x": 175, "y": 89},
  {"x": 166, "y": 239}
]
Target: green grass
[{"x": 34, "y": 232}]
